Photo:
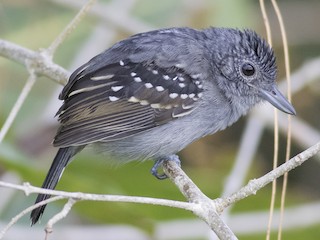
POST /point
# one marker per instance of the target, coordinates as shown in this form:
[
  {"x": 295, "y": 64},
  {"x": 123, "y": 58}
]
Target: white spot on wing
[
  {"x": 191, "y": 95},
  {"x": 175, "y": 78},
  {"x": 105, "y": 77},
  {"x": 113, "y": 98},
  {"x": 166, "y": 77},
  {"x": 184, "y": 96},
  {"x": 173, "y": 95},
  {"x": 144, "y": 102},
  {"x": 182, "y": 85},
  {"x": 121, "y": 63},
  {"x": 87, "y": 89},
  {"x": 195, "y": 76},
  {"x": 155, "y": 105},
  {"x": 159, "y": 88},
  {"x": 186, "y": 106},
  {"x": 155, "y": 72},
  {"x": 148, "y": 85},
  {"x": 116, "y": 88},
  {"x": 133, "y": 74},
  {"x": 133, "y": 99},
  {"x": 137, "y": 79}
]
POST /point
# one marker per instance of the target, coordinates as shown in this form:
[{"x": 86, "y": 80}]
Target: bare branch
[
  {"x": 206, "y": 209},
  {"x": 28, "y": 189},
  {"x": 64, "y": 212},
  {"x": 70, "y": 27},
  {"x": 17, "y": 106},
  {"x": 254, "y": 185},
  {"x": 110, "y": 15},
  {"x": 26, "y": 211},
  {"x": 39, "y": 61}
]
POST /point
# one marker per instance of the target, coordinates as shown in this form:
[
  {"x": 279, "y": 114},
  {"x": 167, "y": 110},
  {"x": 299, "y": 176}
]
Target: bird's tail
[{"x": 59, "y": 163}]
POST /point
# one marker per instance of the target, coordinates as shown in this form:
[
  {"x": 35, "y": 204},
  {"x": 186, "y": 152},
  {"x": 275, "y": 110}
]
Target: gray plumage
[{"x": 149, "y": 96}]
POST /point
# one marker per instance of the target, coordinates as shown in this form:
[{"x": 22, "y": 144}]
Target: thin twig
[
  {"x": 254, "y": 185},
  {"x": 70, "y": 27},
  {"x": 274, "y": 165},
  {"x": 266, "y": 21},
  {"x": 62, "y": 214},
  {"x": 26, "y": 211},
  {"x": 276, "y": 129},
  {"x": 18, "y": 104},
  {"x": 28, "y": 189},
  {"x": 110, "y": 15},
  {"x": 287, "y": 68}
]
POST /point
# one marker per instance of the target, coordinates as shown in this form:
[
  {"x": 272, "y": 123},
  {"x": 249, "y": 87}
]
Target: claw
[{"x": 158, "y": 163}]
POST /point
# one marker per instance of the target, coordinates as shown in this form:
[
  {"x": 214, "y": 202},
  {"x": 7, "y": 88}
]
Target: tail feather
[{"x": 60, "y": 161}]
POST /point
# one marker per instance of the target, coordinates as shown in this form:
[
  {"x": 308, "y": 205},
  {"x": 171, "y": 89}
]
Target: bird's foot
[{"x": 158, "y": 163}]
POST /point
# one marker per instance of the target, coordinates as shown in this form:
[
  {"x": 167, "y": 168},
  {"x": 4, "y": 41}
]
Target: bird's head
[{"x": 249, "y": 70}]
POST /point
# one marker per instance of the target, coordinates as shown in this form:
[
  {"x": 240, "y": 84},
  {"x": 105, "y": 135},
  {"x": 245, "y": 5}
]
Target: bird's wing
[{"x": 122, "y": 99}]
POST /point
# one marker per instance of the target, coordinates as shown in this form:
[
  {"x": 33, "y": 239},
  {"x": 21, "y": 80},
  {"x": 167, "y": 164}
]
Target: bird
[{"x": 154, "y": 93}]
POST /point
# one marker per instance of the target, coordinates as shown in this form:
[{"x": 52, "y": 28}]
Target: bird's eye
[{"x": 248, "y": 69}]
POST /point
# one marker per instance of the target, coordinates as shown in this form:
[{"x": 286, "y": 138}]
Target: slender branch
[
  {"x": 18, "y": 104},
  {"x": 287, "y": 68},
  {"x": 28, "y": 189},
  {"x": 41, "y": 63},
  {"x": 62, "y": 214},
  {"x": 123, "y": 22},
  {"x": 276, "y": 128},
  {"x": 70, "y": 27},
  {"x": 26, "y": 211},
  {"x": 254, "y": 185},
  {"x": 266, "y": 21}
]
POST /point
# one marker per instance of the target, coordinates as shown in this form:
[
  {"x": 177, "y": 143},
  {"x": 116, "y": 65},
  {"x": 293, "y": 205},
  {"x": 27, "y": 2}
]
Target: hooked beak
[{"x": 276, "y": 98}]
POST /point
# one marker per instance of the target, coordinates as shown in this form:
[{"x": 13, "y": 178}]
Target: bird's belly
[{"x": 155, "y": 143}]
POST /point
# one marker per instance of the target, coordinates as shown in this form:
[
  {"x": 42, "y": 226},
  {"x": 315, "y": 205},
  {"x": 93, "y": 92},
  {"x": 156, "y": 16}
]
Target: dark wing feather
[{"x": 123, "y": 99}]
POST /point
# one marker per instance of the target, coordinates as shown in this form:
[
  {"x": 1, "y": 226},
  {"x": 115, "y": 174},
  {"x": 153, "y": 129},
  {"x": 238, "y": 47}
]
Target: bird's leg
[{"x": 158, "y": 163}]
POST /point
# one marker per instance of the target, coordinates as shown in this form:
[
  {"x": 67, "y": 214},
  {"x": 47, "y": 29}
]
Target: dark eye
[{"x": 248, "y": 69}]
